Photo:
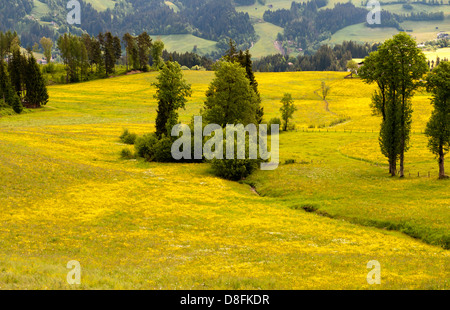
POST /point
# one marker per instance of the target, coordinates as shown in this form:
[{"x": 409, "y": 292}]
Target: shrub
[
  {"x": 126, "y": 154},
  {"x": 291, "y": 127},
  {"x": 152, "y": 149},
  {"x": 310, "y": 207},
  {"x": 163, "y": 150},
  {"x": 127, "y": 137},
  {"x": 235, "y": 169},
  {"x": 17, "y": 104},
  {"x": 145, "y": 145},
  {"x": 273, "y": 121},
  {"x": 49, "y": 68}
]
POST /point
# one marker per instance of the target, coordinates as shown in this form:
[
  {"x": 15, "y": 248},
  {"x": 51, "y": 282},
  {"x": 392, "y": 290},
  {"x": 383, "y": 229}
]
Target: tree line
[
  {"x": 325, "y": 59},
  {"x": 393, "y": 20},
  {"x": 21, "y": 80},
  {"x": 86, "y": 56}
]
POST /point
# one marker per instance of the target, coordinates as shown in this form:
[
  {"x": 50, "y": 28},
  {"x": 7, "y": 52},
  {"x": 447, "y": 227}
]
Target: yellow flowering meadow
[{"x": 66, "y": 195}]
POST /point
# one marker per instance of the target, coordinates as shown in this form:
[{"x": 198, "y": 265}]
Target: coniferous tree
[
  {"x": 7, "y": 93},
  {"x": 16, "y": 67},
  {"x": 36, "y": 91},
  {"x": 144, "y": 43}
]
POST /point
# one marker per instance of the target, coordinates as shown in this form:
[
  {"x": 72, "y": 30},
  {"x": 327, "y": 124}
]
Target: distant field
[
  {"x": 186, "y": 43},
  {"x": 421, "y": 31},
  {"x": 441, "y": 53},
  {"x": 398, "y": 8},
  {"x": 40, "y": 9},
  {"x": 426, "y": 30},
  {"x": 67, "y": 195},
  {"x": 267, "y": 33},
  {"x": 257, "y": 10},
  {"x": 361, "y": 33},
  {"x": 102, "y": 5}
]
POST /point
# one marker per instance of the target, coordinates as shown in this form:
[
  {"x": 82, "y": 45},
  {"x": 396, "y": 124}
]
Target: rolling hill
[
  {"x": 67, "y": 195},
  {"x": 209, "y": 24}
]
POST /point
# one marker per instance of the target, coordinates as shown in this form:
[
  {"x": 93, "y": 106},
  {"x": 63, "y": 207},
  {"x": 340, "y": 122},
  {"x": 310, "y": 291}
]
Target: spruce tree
[
  {"x": 7, "y": 93},
  {"x": 36, "y": 91},
  {"x": 16, "y": 69}
]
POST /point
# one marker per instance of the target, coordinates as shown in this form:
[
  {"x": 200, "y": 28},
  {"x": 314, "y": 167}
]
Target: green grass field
[
  {"x": 267, "y": 33},
  {"x": 186, "y": 42},
  {"x": 40, "y": 9},
  {"x": 66, "y": 195},
  {"x": 102, "y": 5}
]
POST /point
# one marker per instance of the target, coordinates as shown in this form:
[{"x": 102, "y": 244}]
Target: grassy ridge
[{"x": 66, "y": 194}]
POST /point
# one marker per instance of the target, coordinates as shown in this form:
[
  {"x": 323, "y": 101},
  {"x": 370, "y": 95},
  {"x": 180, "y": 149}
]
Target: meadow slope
[{"x": 66, "y": 195}]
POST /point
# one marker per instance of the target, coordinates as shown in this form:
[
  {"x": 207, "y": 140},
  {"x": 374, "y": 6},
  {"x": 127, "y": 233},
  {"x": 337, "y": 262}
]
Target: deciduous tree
[
  {"x": 287, "y": 109},
  {"x": 438, "y": 127},
  {"x": 171, "y": 93},
  {"x": 230, "y": 99}
]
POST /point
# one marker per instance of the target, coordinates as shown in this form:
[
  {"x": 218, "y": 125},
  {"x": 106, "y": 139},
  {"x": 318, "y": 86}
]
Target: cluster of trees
[
  {"x": 188, "y": 59},
  {"x": 232, "y": 98},
  {"x": 397, "y": 68},
  {"x": 393, "y": 20},
  {"x": 431, "y": 2},
  {"x": 409, "y": 2},
  {"x": 325, "y": 59},
  {"x": 138, "y": 51},
  {"x": 21, "y": 80},
  {"x": 82, "y": 54},
  {"x": 432, "y": 64},
  {"x": 306, "y": 25}
]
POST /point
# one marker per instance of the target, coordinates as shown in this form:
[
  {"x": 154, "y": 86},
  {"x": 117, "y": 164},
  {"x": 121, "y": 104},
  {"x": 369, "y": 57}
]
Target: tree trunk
[
  {"x": 402, "y": 167},
  {"x": 441, "y": 163},
  {"x": 392, "y": 167}
]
